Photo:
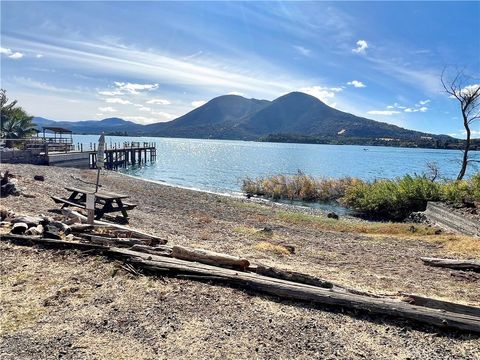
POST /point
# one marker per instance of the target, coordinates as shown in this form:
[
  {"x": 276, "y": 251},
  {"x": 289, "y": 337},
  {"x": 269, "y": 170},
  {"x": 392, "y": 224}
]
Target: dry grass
[
  {"x": 360, "y": 227},
  {"x": 256, "y": 233},
  {"x": 298, "y": 187},
  {"x": 269, "y": 247}
]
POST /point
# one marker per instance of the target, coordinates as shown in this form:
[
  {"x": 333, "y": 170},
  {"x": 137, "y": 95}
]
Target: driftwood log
[
  {"x": 102, "y": 224},
  {"x": 291, "y": 276},
  {"x": 473, "y": 265},
  {"x": 163, "y": 250},
  {"x": 117, "y": 242},
  {"x": 51, "y": 243},
  {"x": 441, "y": 305},
  {"x": 303, "y": 292},
  {"x": 209, "y": 257},
  {"x": 431, "y": 312}
]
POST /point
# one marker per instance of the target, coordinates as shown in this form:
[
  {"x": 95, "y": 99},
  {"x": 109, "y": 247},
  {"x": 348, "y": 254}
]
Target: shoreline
[{"x": 93, "y": 303}]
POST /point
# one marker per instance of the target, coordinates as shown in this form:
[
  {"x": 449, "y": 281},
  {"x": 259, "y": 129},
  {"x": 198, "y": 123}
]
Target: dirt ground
[{"x": 72, "y": 305}]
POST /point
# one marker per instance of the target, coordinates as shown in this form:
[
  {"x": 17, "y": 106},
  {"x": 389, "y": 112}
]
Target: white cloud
[
  {"x": 159, "y": 102},
  {"x": 322, "y": 93},
  {"x": 383, "y": 112},
  {"x": 107, "y": 109},
  {"x": 117, "y": 101},
  {"x": 141, "y": 119},
  {"x": 421, "y": 109},
  {"x": 5, "y": 51},
  {"x": 134, "y": 89},
  {"x": 198, "y": 103},
  {"x": 470, "y": 89},
  {"x": 16, "y": 56},
  {"x": 141, "y": 64},
  {"x": 34, "y": 84},
  {"x": 38, "y": 56},
  {"x": 163, "y": 114},
  {"x": 236, "y": 93},
  {"x": 362, "y": 45},
  {"x": 356, "y": 83},
  {"x": 110, "y": 93},
  {"x": 424, "y": 102},
  {"x": 303, "y": 50},
  {"x": 145, "y": 108}
]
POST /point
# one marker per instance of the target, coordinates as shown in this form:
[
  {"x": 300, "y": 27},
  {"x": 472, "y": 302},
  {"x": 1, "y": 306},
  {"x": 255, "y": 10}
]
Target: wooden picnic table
[{"x": 109, "y": 201}]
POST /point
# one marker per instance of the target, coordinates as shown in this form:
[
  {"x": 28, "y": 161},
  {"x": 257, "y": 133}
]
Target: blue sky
[{"x": 154, "y": 61}]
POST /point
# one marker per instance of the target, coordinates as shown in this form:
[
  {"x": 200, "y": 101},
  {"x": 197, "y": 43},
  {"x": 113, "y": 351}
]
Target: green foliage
[
  {"x": 396, "y": 199},
  {"x": 15, "y": 122},
  {"x": 381, "y": 199}
]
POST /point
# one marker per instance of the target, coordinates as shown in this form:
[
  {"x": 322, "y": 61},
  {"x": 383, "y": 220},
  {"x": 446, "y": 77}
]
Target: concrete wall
[
  {"x": 23, "y": 157},
  {"x": 71, "y": 159}
]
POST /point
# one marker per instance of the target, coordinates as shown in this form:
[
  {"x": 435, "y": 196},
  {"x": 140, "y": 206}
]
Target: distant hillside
[
  {"x": 294, "y": 117},
  {"x": 110, "y": 125}
]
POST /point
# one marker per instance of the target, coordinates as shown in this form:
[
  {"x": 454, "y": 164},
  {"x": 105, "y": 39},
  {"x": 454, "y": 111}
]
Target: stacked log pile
[{"x": 149, "y": 254}]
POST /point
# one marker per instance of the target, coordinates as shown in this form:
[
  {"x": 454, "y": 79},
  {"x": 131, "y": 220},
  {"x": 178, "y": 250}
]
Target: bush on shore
[
  {"x": 298, "y": 187},
  {"x": 383, "y": 199}
]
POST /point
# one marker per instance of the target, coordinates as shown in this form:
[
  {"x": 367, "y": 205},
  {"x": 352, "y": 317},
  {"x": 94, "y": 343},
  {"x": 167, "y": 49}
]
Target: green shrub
[
  {"x": 383, "y": 199},
  {"x": 392, "y": 199}
]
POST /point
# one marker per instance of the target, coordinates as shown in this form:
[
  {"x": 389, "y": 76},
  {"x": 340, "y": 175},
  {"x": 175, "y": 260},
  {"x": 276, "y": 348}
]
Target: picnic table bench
[{"x": 108, "y": 202}]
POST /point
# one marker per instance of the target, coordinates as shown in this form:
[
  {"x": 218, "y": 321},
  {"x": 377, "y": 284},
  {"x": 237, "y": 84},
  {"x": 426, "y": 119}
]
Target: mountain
[
  {"x": 215, "y": 119},
  {"x": 294, "y": 117}
]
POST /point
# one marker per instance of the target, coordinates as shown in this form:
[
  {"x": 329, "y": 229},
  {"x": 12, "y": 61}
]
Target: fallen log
[
  {"x": 80, "y": 228},
  {"x": 440, "y": 304},
  {"x": 116, "y": 242},
  {"x": 29, "y": 220},
  {"x": 209, "y": 257},
  {"x": 51, "y": 243},
  {"x": 136, "y": 233},
  {"x": 473, "y": 265},
  {"x": 162, "y": 250},
  {"x": 303, "y": 292},
  {"x": 291, "y": 276},
  {"x": 271, "y": 286}
]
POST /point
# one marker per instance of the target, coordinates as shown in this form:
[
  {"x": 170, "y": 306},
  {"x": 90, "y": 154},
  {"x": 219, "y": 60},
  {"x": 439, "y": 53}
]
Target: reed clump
[
  {"x": 298, "y": 187},
  {"x": 387, "y": 199}
]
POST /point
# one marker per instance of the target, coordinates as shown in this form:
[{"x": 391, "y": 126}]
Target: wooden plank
[
  {"x": 291, "y": 276},
  {"x": 51, "y": 243},
  {"x": 209, "y": 257},
  {"x": 473, "y": 265},
  {"x": 303, "y": 292},
  {"x": 440, "y": 304},
  {"x": 136, "y": 233},
  {"x": 67, "y": 202},
  {"x": 103, "y": 194}
]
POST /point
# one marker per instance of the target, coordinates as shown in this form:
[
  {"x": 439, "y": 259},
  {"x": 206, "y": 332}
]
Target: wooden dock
[{"x": 122, "y": 155}]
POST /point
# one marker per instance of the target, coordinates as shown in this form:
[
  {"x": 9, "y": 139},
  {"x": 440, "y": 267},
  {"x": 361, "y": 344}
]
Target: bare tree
[{"x": 468, "y": 95}]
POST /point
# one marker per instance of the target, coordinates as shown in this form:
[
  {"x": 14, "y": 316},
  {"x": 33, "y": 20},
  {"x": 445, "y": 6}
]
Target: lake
[{"x": 219, "y": 165}]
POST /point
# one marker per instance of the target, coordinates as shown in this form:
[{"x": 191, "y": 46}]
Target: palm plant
[{"x": 15, "y": 122}]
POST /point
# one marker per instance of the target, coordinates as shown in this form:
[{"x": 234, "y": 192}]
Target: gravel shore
[{"x": 65, "y": 304}]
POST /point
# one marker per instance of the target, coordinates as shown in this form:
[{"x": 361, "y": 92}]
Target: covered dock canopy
[{"x": 60, "y": 131}]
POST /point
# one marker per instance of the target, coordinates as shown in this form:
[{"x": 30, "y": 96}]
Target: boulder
[
  {"x": 19, "y": 228},
  {"x": 39, "y": 178},
  {"x": 51, "y": 232},
  {"x": 35, "y": 230},
  {"x": 332, "y": 215}
]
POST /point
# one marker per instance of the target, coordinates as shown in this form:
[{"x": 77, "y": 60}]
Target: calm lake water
[{"x": 219, "y": 165}]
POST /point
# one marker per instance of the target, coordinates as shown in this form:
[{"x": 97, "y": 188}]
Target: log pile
[
  {"x": 468, "y": 265},
  {"x": 8, "y": 185},
  {"x": 146, "y": 253}
]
